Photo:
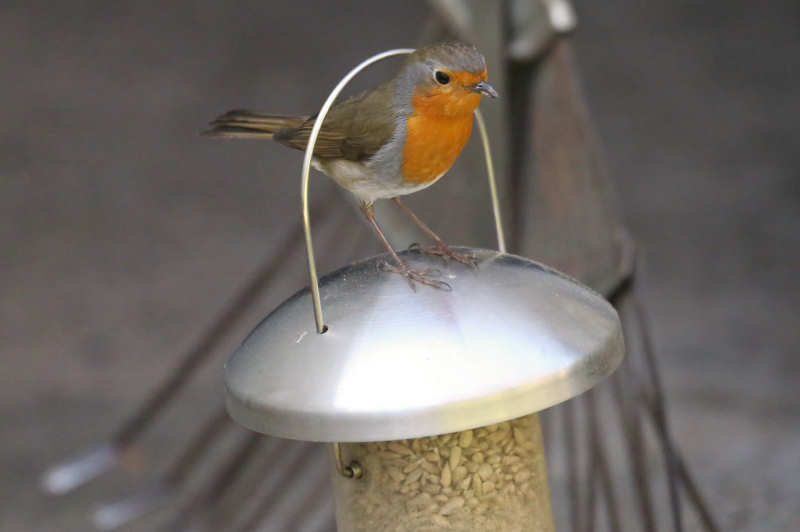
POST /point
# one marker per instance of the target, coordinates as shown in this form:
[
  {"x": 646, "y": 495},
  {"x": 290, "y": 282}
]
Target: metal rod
[
  {"x": 318, "y": 500},
  {"x": 231, "y": 469},
  {"x": 573, "y": 481},
  {"x": 630, "y": 419},
  {"x": 337, "y": 458},
  {"x": 201, "y": 504},
  {"x": 198, "y": 447},
  {"x": 487, "y": 151},
  {"x": 591, "y": 484},
  {"x": 630, "y": 413},
  {"x": 625, "y": 299},
  {"x": 112, "y": 515},
  {"x": 245, "y": 494},
  {"x": 696, "y": 497},
  {"x": 656, "y": 405},
  {"x": 312, "y": 140},
  {"x": 78, "y": 470},
  {"x": 659, "y": 416},
  {"x": 600, "y": 459},
  {"x": 285, "y": 468},
  {"x": 352, "y": 470}
]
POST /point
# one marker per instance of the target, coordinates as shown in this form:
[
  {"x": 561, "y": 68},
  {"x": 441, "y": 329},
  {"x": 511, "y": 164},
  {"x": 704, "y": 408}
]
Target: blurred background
[{"x": 123, "y": 232}]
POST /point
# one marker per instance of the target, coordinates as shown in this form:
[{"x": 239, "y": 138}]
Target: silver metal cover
[{"x": 512, "y": 338}]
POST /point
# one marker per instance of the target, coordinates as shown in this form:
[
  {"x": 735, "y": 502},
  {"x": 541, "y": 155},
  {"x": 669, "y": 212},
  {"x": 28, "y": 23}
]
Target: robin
[{"x": 396, "y": 139}]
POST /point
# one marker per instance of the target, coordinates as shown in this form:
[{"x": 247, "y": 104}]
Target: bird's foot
[
  {"x": 427, "y": 276},
  {"x": 440, "y": 249}
]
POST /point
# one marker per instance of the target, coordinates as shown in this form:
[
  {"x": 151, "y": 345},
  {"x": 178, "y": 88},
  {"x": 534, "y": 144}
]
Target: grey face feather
[
  {"x": 418, "y": 69},
  {"x": 451, "y": 55}
]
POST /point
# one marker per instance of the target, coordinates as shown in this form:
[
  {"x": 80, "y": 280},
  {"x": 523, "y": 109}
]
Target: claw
[
  {"x": 442, "y": 250},
  {"x": 425, "y": 277}
]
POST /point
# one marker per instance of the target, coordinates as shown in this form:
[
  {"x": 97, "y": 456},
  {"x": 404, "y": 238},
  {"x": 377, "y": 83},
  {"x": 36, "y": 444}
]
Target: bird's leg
[
  {"x": 439, "y": 248},
  {"x": 411, "y": 275}
]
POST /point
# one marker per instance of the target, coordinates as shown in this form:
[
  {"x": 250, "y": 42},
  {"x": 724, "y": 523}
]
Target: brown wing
[{"x": 354, "y": 129}]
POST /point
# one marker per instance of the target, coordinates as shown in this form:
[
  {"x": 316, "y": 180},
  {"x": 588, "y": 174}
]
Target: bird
[{"x": 393, "y": 140}]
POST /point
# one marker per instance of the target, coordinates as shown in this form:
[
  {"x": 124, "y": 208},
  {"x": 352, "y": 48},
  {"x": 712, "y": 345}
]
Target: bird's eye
[{"x": 441, "y": 77}]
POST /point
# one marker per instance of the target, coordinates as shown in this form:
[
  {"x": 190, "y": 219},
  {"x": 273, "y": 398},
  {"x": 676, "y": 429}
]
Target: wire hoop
[{"x": 312, "y": 140}]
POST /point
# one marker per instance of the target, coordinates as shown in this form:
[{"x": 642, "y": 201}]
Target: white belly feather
[{"x": 361, "y": 180}]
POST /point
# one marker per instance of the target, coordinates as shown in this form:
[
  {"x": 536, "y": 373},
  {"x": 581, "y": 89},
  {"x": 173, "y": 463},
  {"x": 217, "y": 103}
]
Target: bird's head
[{"x": 445, "y": 79}]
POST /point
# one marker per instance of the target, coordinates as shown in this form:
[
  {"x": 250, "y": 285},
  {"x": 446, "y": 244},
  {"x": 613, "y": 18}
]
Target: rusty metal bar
[
  {"x": 659, "y": 417},
  {"x": 630, "y": 419},
  {"x": 573, "y": 480},
  {"x": 654, "y": 401},
  {"x": 600, "y": 460},
  {"x": 115, "y": 514},
  {"x": 281, "y": 476},
  {"x": 198, "y": 447},
  {"x": 200, "y": 505}
]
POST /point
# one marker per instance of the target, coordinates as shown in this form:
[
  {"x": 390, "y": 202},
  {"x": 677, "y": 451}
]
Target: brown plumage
[{"x": 354, "y": 129}]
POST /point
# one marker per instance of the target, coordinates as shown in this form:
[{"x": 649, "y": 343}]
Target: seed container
[
  {"x": 428, "y": 395},
  {"x": 491, "y": 478}
]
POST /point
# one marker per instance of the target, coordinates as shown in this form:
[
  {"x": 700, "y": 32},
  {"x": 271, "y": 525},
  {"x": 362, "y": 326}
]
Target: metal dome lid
[{"x": 512, "y": 338}]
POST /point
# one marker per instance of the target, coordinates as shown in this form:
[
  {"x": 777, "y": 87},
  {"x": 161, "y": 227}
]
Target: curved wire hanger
[{"x": 312, "y": 140}]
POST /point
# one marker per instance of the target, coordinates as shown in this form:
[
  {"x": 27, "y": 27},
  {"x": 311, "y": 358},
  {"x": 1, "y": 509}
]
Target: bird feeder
[{"x": 428, "y": 397}]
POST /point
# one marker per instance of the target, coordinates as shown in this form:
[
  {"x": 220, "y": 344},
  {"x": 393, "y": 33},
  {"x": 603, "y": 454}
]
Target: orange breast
[{"x": 435, "y": 138}]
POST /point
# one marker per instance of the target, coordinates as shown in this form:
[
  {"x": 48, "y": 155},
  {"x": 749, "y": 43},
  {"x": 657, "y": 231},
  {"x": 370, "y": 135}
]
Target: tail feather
[{"x": 243, "y": 123}]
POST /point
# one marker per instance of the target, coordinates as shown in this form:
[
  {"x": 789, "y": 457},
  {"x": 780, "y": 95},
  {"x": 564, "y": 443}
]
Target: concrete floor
[{"x": 123, "y": 232}]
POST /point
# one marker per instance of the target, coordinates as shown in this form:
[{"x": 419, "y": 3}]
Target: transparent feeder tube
[{"x": 491, "y": 478}]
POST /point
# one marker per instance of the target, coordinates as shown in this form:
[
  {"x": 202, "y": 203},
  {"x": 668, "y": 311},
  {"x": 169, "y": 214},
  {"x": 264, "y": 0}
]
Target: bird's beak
[{"x": 484, "y": 88}]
